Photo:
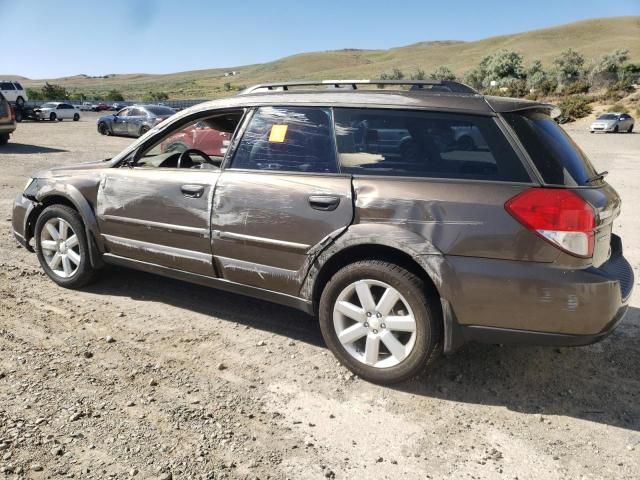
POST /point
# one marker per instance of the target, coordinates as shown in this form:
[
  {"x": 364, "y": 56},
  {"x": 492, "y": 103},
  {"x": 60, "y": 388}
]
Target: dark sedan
[{"x": 134, "y": 121}]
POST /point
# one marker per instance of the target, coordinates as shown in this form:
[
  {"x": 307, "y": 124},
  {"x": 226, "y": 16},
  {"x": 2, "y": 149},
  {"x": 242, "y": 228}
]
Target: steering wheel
[{"x": 187, "y": 154}]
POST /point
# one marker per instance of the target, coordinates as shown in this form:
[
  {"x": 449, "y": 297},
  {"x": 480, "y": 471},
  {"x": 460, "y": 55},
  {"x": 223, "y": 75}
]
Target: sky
[{"x": 51, "y": 39}]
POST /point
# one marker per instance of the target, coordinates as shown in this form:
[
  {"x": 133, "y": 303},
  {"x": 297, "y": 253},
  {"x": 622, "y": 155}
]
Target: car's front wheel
[
  {"x": 76, "y": 117},
  {"x": 62, "y": 247},
  {"x": 20, "y": 101},
  {"x": 103, "y": 129},
  {"x": 144, "y": 129},
  {"x": 52, "y": 117},
  {"x": 4, "y": 138},
  {"x": 379, "y": 321}
]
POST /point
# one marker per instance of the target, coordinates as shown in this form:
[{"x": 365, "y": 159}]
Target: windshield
[
  {"x": 556, "y": 156},
  {"x": 160, "y": 111},
  {"x": 49, "y": 105},
  {"x": 608, "y": 116}
]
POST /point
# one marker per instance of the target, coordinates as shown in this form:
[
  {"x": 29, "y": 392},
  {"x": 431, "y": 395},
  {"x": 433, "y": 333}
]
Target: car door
[
  {"x": 9, "y": 91},
  {"x": 134, "y": 121},
  {"x": 66, "y": 111},
  {"x": 280, "y": 196},
  {"x": 119, "y": 123},
  {"x": 157, "y": 213}
]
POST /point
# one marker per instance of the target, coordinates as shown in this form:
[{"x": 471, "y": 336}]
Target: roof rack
[{"x": 431, "y": 85}]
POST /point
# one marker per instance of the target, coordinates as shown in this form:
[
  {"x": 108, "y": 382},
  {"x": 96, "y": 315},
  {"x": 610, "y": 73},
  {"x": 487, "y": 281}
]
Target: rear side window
[
  {"x": 556, "y": 156},
  {"x": 288, "y": 139},
  {"x": 425, "y": 144},
  {"x": 7, "y": 86}
]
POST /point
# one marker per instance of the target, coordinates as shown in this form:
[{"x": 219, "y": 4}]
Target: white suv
[{"x": 13, "y": 92}]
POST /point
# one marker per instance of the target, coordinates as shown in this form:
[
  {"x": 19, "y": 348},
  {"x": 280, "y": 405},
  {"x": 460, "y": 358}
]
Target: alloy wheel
[
  {"x": 374, "y": 323},
  {"x": 60, "y": 247}
]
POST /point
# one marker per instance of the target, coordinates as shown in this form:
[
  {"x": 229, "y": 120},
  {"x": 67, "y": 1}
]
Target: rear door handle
[
  {"x": 192, "y": 191},
  {"x": 324, "y": 202}
]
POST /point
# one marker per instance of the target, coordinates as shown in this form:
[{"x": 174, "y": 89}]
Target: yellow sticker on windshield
[{"x": 278, "y": 133}]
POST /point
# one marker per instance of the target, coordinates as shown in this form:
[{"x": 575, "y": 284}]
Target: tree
[
  {"x": 474, "y": 77},
  {"x": 54, "y": 92},
  {"x": 502, "y": 66},
  {"x": 607, "y": 70},
  {"x": 568, "y": 66},
  {"x": 419, "y": 75},
  {"x": 443, "y": 73},
  {"x": 114, "y": 96},
  {"x": 34, "y": 94}
]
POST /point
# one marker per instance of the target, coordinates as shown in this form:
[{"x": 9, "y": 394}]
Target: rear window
[
  {"x": 556, "y": 156},
  {"x": 425, "y": 144},
  {"x": 7, "y": 86},
  {"x": 160, "y": 111}
]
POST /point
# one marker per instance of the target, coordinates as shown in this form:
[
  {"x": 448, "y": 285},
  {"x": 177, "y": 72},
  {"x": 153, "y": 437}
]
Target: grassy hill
[{"x": 592, "y": 38}]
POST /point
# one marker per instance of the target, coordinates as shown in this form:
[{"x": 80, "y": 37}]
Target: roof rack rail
[{"x": 429, "y": 84}]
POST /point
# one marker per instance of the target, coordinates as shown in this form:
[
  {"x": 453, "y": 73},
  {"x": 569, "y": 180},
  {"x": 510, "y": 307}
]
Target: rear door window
[
  {"x": 556, "y": 156},
  {"x": 288, "y": 139},
  {"x": 425, "y": 144},
  {"x": 7, "y": 86}
]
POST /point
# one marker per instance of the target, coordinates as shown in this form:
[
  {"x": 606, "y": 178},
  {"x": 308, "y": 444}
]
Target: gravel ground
[{"x": 141, "y": 376}]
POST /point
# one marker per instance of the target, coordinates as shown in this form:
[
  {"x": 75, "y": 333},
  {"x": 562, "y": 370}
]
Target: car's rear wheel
[
  {"x": 4, "y": 139},
  {"x": 630, "y": 129},
  {"x": 379, "y": 321},
  {"x": 20, "y": 101},
  {"x": 144, "y": 129},
  {"x": 52, "y": 117},
  {"x": 76, "y": 117},
  {"x": 103, "y": 129},
  {"x": 62, "y": 247}
]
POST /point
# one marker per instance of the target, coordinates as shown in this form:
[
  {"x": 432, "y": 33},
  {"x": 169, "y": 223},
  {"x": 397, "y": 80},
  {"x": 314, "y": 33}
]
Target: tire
[
  {"x": 378, "y": 276},
  {"x": 76, "y": 270},
  {"x": 60, "y": 119},
  {"x": 615, "y": 129},
  {"x": 4, "y": 139},
  {"x": 76, "y": 117},
  {"x": 630, "y": 129},
  {"x": 18, "y": 115},
  {"x": 103, "y": 129},
  {"x": 144, "y": 129},
  {"x": 52, "y": 117},
  {"x": 20, "y": 101}
]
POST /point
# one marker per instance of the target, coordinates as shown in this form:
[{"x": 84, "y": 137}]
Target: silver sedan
[{"x": 613, "y": 122}]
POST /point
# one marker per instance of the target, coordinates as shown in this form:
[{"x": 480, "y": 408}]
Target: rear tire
[
  {"x": 72, "y": 267},
  {"x": 630, "y": 129},
  {"x": 415, "y": 343},
  {"x": 4, "y": 139}
]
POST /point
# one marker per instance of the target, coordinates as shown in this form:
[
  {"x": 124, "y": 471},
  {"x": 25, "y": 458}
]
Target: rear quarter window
[
  {"x": 425, "y": 144},
  {"x": 558, "y": 159}
]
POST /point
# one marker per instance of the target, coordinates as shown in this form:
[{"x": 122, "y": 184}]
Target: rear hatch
[{"x": 562, "y": 164}]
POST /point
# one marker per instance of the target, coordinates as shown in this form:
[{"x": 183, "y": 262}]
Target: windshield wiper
[{"x": 597, "y": 176}]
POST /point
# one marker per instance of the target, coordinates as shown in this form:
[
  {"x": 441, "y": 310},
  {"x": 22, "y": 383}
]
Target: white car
[
  {"x": 13, "y": 92},
  {"x": 57, "y": 111},
  {"x": 86, "y": 106}
]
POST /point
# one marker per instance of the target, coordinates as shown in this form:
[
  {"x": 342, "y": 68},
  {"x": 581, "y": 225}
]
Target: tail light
[{"x": 559, "y": 216}]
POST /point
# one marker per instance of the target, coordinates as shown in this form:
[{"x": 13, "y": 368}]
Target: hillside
[{"x": 592, "y": 38}]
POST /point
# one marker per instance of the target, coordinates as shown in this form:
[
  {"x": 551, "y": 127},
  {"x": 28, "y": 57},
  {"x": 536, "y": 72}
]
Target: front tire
[
  {"x": 62, "y": 247},
  {"x": 380, "y": 321},
  {"x": 76, "y": 117},
  {"x": 103, "y": 129},
  {"x": 52, "y": 117},
  {"x": 4, "y": 139}
]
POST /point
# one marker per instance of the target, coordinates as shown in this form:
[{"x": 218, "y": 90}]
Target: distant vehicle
[
  {"x": 199, "y": 136},
  {"x": 117, "y": 107},
  {"x": 86, "y": 106},
  {"x": 7, "y": 120},
  {"x": 613, "y": 122},
  {"x": 100, "y": 107},
  {"x": 57, "y": 111},
  {"x": 13, "y": 92},
  {"x": 133, "y": 121}
]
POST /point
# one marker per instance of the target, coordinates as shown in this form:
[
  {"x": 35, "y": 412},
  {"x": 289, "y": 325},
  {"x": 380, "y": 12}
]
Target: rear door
[
  {"x": 119, "y": 124},
  {"x": 280, "y": 196}
]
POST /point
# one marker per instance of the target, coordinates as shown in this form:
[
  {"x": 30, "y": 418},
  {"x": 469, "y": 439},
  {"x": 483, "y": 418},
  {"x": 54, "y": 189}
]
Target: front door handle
[
  {"x": 192, "y": 191},
  {"x": 324, "y": 202}
]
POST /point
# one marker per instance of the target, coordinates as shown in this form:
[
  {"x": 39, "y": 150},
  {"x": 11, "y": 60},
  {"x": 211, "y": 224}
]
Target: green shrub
[
  {"x": 576, "y": 106},
  {"x": 574, "y": 88},
  {"x": 612, "y": 95},
  {"x": 618, "y": 107}
]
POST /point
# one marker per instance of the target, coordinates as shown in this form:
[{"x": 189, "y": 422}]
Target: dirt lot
[{"x": 197, "y": 383}]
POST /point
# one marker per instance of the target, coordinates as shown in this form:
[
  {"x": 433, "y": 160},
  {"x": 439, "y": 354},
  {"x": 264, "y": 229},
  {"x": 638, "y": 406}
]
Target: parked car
[
  {"x": 7, "y": 120},
  {"x": 133, "y": 121},
  {"x": 199, "y": 136},
  {"x": 13, "y": 92},
  {"x": 86, "y": 107},
  {"x": 57, "y": 111},
  {"x": 613, "y": 122},
  {"x": 100, "y": 107},
  {"x": 399, "y": 256},
  {"x": 117, "y": 107}
]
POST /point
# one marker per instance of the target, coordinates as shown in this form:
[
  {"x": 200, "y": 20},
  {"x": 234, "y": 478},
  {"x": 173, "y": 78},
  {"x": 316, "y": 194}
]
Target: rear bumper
[
  {"x": 7, "y": 128},
  {"x": 496, "y": 301}
]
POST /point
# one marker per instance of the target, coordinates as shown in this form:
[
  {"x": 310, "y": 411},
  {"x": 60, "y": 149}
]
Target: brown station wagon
[{"x": 411, "y": 219}]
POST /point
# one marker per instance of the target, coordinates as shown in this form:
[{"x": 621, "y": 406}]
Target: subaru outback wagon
[{"x": 410, "y": 221}]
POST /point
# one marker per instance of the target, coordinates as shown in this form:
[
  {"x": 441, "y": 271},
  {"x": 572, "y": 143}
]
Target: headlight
[{"x": 28, "y": 184}]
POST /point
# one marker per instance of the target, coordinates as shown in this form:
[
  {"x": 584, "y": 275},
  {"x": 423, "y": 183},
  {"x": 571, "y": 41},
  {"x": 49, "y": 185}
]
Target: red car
[
  {"x": 198, "y": 136},
  {"x": 100, "y": 107}
]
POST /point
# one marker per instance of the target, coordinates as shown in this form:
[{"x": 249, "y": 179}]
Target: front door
[
  {"x": 159, "y": 210},
  {"x": 280, "y": 196},
  {"x": 119, "y": 124}
]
